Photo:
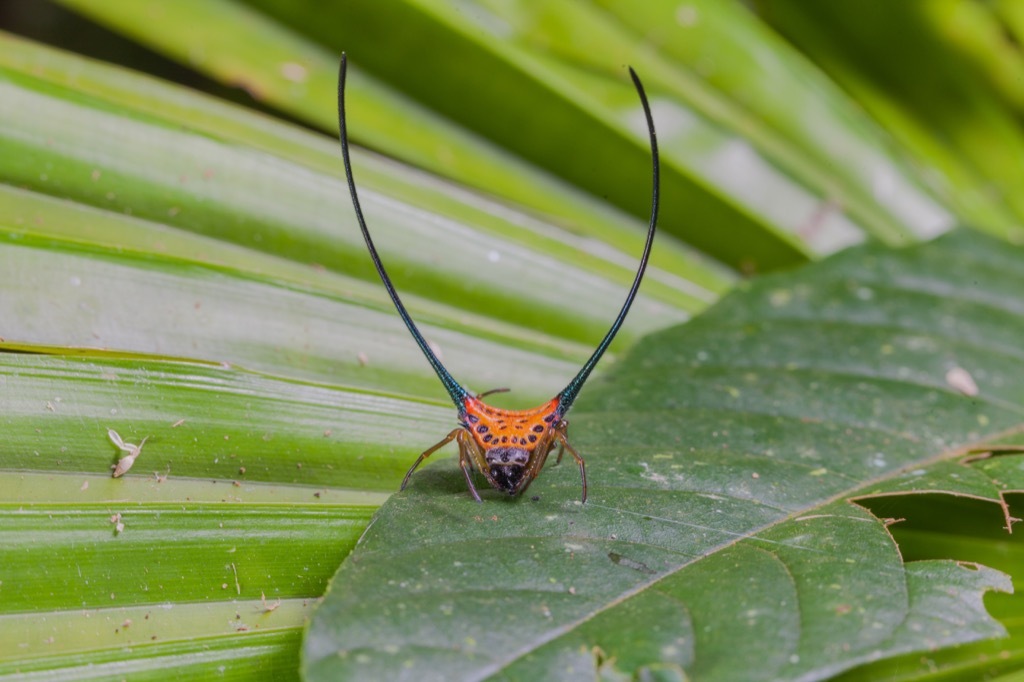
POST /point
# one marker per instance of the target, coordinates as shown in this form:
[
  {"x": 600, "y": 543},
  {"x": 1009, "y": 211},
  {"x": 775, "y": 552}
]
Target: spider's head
[{"x": 506, "y": 468}]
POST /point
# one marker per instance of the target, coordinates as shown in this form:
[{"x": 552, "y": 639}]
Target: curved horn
[
  {"x": 455, "y": 390},
  {"x": 569, "y": 393}
]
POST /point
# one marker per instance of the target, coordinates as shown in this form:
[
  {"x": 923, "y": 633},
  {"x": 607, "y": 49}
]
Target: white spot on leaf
[{"x": 961, "y": 380}]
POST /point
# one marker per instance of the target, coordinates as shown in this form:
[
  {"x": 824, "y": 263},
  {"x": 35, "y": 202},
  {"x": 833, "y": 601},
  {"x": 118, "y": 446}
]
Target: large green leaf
[
  {"x": 963, "y": 529},
  {"x": 711, "y": 57},
  {"x": 953, "y": 120},
  {"x": 215, "y": 178},
  {"x": 719, "y": 540},
  {"x": 171, "y": 258},
  {"x": 241, "y": 46},
  {"x": 556, "y": 111},
  {"x": 182, "y": 271},
  {"x": 743, "y": 95}
]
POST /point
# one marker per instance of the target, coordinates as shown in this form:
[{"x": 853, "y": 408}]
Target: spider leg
[
  {"x": 561, "y": 445},
  {"x": 563, "y": 440},
  {"x": 493, "y": 390},
  {"x": 469, "y": 454},
  {"x": 429, "y": 451},
  {"x": 536, "y": 463}
]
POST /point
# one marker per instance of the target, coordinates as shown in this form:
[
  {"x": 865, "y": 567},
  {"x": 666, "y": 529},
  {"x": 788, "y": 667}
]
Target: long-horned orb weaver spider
[{"x": 509, "y": 447}]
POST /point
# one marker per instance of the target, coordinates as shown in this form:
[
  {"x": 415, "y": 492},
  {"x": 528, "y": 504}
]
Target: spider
[{"x": 508, "y": 447}]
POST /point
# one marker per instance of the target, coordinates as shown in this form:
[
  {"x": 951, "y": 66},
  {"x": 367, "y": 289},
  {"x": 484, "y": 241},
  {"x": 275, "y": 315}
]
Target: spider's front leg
[
  {"x": 469, "y": 456},
  {"x": 429, "y": 451},
  {"x": 563, "y": 440},
  {"x": 537, "y": 460}
]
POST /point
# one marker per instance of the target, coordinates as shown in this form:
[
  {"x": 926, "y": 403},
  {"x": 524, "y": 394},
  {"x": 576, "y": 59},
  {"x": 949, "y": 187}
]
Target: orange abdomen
[{"x": 493, "y": 427}]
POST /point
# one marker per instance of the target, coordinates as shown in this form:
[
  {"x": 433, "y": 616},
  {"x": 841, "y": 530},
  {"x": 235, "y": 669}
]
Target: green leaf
[
  {"x": 556, "y": 111},
  {"x": 964, "y": 529},
  {"x": 713, "y": 57},
  {"x": 960, "y": 129},
  {"x": 213, "y": 181},
  {"x": 241, "y": 46},
  {"x": 183, "y": 271},
  {"x": 711, "y": 116},
  {"x": 720, "y": 539},
  {"x": 169, "y": 258}
]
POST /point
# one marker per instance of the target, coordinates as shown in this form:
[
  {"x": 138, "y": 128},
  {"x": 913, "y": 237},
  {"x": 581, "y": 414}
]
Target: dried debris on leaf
[
  {"x": 267, "y": 608},
  {"x": 133, "y": 451}
]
